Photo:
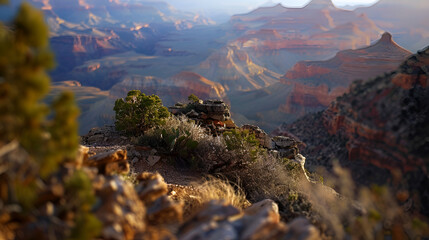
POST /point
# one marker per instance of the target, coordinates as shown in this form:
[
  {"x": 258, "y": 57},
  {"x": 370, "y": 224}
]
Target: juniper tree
[
  {"x": 139, "y": 112},
  {"x": 24, "y": 60}
]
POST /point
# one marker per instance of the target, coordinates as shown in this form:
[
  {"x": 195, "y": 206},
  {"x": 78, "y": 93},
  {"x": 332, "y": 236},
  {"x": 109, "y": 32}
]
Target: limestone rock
[
  {"x": 151, "y": 186},
  {"x": 301, "y": 228},
  {"x": 110, "y": 162},
  {"x": 260, "y": 221},
  {"x": 120, "y": 210},
  {"x": 214, "y": 115},
  {"x": 153, "y": 190},
  {"x": 264, "y": 205}
]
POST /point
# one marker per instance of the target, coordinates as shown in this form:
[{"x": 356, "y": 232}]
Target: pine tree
[
  {"x": 23, "y": 79},
  {"x": 25, "y": 57}
]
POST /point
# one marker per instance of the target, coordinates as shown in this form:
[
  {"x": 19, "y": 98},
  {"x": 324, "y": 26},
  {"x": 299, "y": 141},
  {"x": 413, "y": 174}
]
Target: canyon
[
  {"x": 378, "y": 130},
  {"x": 294, "y": 53},
  {"x": 311, "y": 86}
]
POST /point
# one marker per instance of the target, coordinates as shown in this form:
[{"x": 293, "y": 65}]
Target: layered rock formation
[
  {"x": 406, "y": 20},
  {"x": 235, "y": 70},
  {"x": 309, "y": 30},
  {"x": 174, "y": 89},
  {"x": 379, "y": 128},
  {"x": 84, "y": 30},
  {"x": 317, "y": 83},
  {"x": 214, "y": 115}
]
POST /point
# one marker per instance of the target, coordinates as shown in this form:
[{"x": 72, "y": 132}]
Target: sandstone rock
[
  {"x": 121, "y": 211},
  {"x": 204, "y": 224},
  {"x": 150, "y": 187},
  {"x": 152, "y": 160},
  {"x": 302, "y": 229},
  {"x": 264, "y": 205},
  {"x": 82, "y": 156},
  {"x": 110, "y": 162},
  {"x": 262, "y": 221},
  {"x": 161, "y": 209},
  {"x": 219, "y": 221},
  {"x": 164, "y": 211},
  {"x": 214, "y": 115}
]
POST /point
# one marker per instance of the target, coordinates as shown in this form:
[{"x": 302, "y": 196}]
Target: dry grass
[
  {"x": 216, "y": 189},
  {"x": 197, "y": 194},
  {"x": 357, "y": 213},
  {"x": 361, "y": 212}
]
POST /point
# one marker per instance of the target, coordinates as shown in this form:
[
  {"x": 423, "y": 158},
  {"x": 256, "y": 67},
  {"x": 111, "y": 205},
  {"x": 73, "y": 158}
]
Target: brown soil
[{"x": 171, "y": 173}]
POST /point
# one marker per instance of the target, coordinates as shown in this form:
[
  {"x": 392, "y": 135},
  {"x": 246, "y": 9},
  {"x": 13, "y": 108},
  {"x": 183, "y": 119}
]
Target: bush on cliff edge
[{"x": 139, "y": 112}]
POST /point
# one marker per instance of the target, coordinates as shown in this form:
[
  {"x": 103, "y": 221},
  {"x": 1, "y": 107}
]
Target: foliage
[
  {"x": 42, "y": 143},
  {"x": 24, "y": 82},
  {"x": 179, "y": 138},
  {"x": 243, "y": 142},
  {"x": 81, "y": 199},
  {"x": 193, "y": 98},
  {"x": 138, "y": 112}
]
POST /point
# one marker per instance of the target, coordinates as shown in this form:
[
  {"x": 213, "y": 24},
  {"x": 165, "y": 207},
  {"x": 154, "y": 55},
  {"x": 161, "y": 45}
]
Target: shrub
[
  {"x": 81, "y": 199},
  {"x": 242, "y": 142},
  {"x": 179, "y": 137},
  {"x": 139, "y": 112},
  {"x": 193, "y": 99}
]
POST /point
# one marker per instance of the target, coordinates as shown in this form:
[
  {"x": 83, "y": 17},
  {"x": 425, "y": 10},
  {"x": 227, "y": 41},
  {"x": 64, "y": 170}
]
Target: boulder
[
  {"x": 152, "y": 190},
  {"x": 217, "y": 220},
  {"x": 120, "y": 209},
  {"x": 111, "y": 162}
]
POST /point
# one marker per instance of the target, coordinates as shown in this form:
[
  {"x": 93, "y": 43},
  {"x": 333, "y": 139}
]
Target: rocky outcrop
[
  {"x": 317, "y": 83},
  {"x": 145, "y": 209},
  {"x": 214, "y": 115},
  {"x": 260, "y": 221},
  {"x": 108, "y": 163},
  {"x": 376, "y": 129}
]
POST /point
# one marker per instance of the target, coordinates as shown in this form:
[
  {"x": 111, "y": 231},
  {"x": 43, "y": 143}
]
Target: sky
[{"x": 336, "y": 2}]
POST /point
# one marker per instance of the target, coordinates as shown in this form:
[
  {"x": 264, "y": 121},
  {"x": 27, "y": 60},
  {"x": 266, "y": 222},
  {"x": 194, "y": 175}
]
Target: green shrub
[
  {"x": 139, "y": 112},
  {"x": 179, "y": 137},
  {"x": 80, "y": 200},
  {"x": 243, "y": 142},
  {"x": 193, "y": 98}
]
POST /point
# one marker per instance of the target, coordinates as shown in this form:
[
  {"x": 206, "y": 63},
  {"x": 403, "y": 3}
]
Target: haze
[{"x": 223, "y": 9}]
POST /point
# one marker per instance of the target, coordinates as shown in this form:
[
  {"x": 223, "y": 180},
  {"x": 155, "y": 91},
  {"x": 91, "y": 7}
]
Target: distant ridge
[
  {"x": 320, "y": 4},
  {"x": 317, "y": 83}
]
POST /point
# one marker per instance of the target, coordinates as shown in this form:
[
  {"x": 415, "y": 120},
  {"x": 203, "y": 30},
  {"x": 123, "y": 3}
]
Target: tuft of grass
[
  {"x": 198, "y": 193},
  {"x": 216, "y": 189}
]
